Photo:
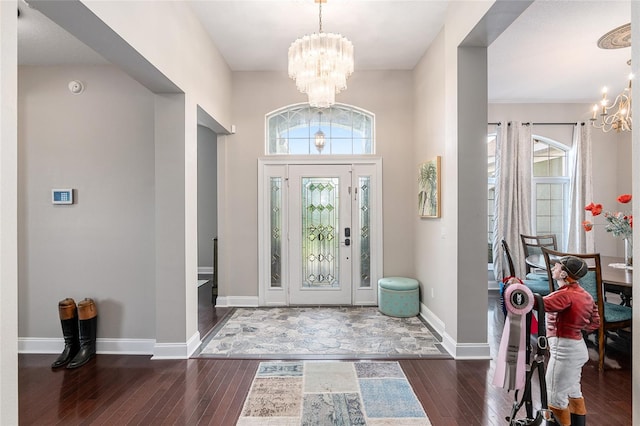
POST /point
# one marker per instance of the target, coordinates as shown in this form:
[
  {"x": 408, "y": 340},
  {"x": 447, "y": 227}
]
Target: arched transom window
[{"x": 304, "y": 130}]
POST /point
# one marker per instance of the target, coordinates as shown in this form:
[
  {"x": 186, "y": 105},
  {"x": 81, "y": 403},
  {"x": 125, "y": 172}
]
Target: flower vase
[{"x": 628, "y": 251}]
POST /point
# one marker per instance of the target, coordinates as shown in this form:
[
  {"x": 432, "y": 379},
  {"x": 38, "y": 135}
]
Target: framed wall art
[{"x": 429, "y": 188}]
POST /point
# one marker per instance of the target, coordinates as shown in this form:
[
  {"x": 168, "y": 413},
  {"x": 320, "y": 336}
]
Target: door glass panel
[
  {"x": 320, "y": 227},
  {"x": 364, "y": 184},
  {"x": 276, "y": 231}
]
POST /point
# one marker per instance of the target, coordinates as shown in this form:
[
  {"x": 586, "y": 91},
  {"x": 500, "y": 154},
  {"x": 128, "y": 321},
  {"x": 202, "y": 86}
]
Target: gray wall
[
  {"x": 101, "y": 144},
  {"x": 450, "y": 253},
  {"x": 207, "y": 195},
  {"x": 388, "y": 94}
]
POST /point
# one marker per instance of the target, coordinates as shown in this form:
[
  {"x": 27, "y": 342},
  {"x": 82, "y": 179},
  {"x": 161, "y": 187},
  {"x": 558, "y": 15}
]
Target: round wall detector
[{"x": 76, "y": 87}]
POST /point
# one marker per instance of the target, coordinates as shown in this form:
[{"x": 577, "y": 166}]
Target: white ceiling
[
  {"x": 549, "y": 54},
  {"x": 255, "y": 35}
]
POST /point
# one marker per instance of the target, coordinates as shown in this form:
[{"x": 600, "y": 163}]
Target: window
[
  {"x": 550, "y": 206},
  {"x": 550, "y": 188},
  {"x": 294, "y": 130}
]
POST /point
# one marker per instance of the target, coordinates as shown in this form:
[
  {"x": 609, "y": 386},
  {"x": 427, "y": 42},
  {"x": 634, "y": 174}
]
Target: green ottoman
[{"x": 398, "y": 297}]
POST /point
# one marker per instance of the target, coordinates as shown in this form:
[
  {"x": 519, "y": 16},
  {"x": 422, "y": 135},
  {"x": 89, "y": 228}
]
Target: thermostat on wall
[{"x": 62, "y": 196}]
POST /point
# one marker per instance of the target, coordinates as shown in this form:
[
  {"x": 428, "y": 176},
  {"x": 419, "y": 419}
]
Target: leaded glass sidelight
[
  {"x": 276, "y": 231},
  {"x": 364, "y": 186},
  {"x": 320, "y": 227}
]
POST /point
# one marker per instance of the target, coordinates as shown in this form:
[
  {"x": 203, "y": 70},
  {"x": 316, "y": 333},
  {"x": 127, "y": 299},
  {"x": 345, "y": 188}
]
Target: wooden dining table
[{"x": 616, "y": 280}]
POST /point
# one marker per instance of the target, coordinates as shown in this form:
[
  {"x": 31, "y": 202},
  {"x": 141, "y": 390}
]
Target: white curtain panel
[
  {"x": 581, "y": 190},
  {"x": 513, "y": 195}
]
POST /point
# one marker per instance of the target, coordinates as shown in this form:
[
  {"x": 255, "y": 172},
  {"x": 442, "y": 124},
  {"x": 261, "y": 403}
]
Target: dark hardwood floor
[
  {"x": 208, "y": 315},
  {"x": 133, "y": 390}
]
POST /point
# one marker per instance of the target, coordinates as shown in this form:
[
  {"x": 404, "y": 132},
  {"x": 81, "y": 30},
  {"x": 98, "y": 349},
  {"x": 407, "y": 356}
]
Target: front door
[
  {"x": 319, "y": 231},
  {"x": 320, "y": 268}
]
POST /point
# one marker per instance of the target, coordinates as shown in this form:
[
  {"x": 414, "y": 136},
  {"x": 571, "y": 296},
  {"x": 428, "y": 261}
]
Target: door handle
[{"x": 347, "y": 242}]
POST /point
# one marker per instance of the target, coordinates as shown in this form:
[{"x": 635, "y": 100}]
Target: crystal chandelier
[
  {"x": 320, "y": 64},
  {"x": 616, "y": 116}
]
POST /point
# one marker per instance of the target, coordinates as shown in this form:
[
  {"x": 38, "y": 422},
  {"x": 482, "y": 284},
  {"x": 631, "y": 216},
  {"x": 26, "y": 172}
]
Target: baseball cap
[{"x": 575, "y": 267}]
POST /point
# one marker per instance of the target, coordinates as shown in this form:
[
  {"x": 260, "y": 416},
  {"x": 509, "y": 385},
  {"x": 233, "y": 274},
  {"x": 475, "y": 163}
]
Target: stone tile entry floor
[{"x": 326, "y": 332}]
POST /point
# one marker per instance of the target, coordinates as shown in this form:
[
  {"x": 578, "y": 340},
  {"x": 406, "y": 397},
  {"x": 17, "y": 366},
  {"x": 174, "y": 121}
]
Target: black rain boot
[
  {"x": 578, "y": 419},
  {"x": 68, "y": 313},
  {"x": 88, "y": 324}
]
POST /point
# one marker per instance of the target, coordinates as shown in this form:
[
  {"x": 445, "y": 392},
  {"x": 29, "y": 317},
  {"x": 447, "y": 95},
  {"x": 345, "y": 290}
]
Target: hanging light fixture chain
[{"x": 320, "y": 14}]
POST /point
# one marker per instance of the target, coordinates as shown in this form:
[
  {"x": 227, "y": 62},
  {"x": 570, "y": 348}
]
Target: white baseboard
[
  {"x": 432, "y": 319},
  {"x": 31, "y": 345},
  {"x": 455, "y": 349},
  {"x": 193, "y": 344},
  {"x": 125, "y": 346},
  {"x": 237, "y": 301},
  {"x": 35, "y": 345},
  {"x": 470, "y": 350},
  {"x": 177, "y": 350}
]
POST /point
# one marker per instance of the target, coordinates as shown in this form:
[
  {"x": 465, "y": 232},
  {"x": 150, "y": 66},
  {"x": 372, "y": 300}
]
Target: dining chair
[
  {"x": 612, "y": 316},
  {"x": 532, "y": 244},
  {"x": 536, "y": 286},
  {"x": 507, "y": 256}
]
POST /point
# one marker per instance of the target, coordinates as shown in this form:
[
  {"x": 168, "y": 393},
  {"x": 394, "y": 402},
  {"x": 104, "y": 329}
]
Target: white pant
[{"x": 564, "y": 371}]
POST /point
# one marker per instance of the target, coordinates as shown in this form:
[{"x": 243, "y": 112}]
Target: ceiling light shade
[{"x": 320, "y": 64}]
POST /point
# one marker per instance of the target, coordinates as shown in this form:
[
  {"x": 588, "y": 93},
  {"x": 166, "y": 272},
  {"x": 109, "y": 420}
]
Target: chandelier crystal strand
[{"x": 320, "y": 64}]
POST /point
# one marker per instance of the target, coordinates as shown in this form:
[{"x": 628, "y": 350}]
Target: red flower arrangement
[{"x": 620, "y": 224}]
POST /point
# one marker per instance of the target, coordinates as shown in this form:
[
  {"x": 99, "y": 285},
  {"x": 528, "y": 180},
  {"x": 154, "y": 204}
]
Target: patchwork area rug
[
  {"x": 305, "y": 332},
  {"x": 331, "y": 393}
]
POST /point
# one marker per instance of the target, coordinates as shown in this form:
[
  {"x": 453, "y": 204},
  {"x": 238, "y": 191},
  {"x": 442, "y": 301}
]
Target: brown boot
[
  {"x": 562, "y": 415},
  {"x": 578, "y": 411},
  {"x": 68, "y": 313},
  {"x": 88, "y": 324}
]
